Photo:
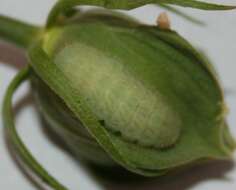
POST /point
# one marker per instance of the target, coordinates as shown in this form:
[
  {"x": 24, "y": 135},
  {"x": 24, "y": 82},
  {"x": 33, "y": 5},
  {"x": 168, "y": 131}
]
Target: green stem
[
  {"x": 17, "y": 32},
  {"x": 64, "y": 5},
  {"x": 15, "y": 139}
]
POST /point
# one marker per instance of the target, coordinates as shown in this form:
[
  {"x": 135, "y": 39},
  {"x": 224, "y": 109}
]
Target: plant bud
[{"x": 147, "y": 87}]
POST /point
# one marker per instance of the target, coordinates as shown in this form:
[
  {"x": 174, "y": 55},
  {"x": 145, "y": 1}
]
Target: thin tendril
[{"x": 15, "y": 139}]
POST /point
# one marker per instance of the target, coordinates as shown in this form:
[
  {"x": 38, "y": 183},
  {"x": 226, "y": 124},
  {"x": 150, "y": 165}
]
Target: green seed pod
[
  {"x": 139, "y": 86},
  {"x": 121, "y": 93}
]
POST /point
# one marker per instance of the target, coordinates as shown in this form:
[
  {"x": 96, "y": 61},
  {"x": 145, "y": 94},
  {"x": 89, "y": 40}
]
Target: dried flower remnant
[{"x": 163, "y": 21}]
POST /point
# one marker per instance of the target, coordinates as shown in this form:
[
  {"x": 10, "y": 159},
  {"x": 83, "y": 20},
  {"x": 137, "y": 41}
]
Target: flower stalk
[{"x": 17, "y": 32}]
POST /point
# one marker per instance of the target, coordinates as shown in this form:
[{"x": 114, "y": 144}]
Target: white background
[{"x": 217, "y": 39}]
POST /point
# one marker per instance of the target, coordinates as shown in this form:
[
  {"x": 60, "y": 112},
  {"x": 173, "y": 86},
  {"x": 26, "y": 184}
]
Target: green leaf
[
  {"x": 197, "y": 4},
  {"x": 65, "y": 5},
  {"x": 15, "y": 139}
]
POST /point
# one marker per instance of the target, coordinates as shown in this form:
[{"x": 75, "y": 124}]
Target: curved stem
[
  {"x": 17, "y": 32},
  {"x": 14, "y": 138},
  {"x": 64, "y": 5}
]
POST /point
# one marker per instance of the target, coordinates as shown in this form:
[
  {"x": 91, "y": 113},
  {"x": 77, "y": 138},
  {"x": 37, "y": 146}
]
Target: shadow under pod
[{"x": 12, "y": 56}]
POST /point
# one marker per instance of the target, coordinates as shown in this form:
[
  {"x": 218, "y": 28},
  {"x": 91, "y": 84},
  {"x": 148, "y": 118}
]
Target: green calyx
[{"x": 121, "y": 92}]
